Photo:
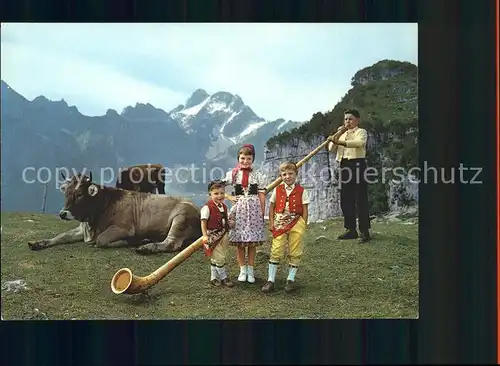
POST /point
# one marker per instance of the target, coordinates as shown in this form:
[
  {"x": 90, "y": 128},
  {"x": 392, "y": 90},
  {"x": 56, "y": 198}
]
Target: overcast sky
[{"x": 285, "y": 71}]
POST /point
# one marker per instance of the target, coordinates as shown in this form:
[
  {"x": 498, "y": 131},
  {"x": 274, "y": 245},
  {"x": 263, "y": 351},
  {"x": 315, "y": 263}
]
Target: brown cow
[
  {"x": 135, "y": 184},
  {"x": 117, "y": 217},
  {"x": 142, "y": 178}
]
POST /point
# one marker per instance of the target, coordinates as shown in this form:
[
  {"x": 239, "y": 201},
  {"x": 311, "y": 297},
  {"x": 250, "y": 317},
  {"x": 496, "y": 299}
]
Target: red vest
[
  {"x": 216, "y": 216},
  {"x": 294, "y": 199}
]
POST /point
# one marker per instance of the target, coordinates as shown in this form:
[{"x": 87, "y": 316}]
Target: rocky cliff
[
  {"x": 317, "y": 175},
  {"x": 386, "y": 96}
]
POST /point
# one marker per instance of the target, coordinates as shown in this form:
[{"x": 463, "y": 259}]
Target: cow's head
[{"x": 80, "y": 197}]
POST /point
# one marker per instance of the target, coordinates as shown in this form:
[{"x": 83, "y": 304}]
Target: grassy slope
[
  {"x": 338, "y": 279},
  {"x": 385, "y": 106}
]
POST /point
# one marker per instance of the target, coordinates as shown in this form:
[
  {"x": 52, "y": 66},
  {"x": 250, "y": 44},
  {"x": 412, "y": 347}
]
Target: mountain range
[{"x": 206, "y": 132}]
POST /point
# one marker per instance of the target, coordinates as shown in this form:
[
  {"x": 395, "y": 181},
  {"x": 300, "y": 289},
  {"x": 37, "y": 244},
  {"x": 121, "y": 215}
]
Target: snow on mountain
[
  {"x": 218, "y": 147},
  {"x": 193, "y": 111},
  {"x": 282, "y": 124},
  {"x": 183, "y": 115},
  {"x": 251, "y": 128},
  {"x": 221, "y": 120}
]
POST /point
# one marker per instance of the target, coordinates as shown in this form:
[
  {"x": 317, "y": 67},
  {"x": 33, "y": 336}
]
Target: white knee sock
[
  {"x": 250, "y": 274},
  {"x": 222, "y": 273},
  {"x": 291, "y": 273},
  {"x": 242, "y": 277},
  {"x": 272, "y": 272},
  {"x": 213, "y": 272}
]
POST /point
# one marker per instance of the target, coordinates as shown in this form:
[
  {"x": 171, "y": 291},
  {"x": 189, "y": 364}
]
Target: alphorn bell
[{"x": 124, "y": 282}]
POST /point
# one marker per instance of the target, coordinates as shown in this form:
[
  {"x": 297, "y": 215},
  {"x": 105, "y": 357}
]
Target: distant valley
[{"x": 205, "y": 132}]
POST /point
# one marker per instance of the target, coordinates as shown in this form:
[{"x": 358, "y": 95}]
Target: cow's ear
[{"x": 93, "y": 190}]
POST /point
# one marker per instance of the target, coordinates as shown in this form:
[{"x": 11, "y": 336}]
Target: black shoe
[
  {"x": 349, "y": 234},
  {"x": 290, "y": 286},
  {"x": 365, "y": 236}
]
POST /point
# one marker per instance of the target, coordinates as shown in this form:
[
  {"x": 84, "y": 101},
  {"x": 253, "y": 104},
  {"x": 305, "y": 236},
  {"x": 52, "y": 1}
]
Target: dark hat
[
  {"x": 216, "y": 182},
  {"x": 249, "y": 146}
]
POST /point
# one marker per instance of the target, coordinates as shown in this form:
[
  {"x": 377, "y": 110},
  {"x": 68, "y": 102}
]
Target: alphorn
[{"x": 125, "y": 282}]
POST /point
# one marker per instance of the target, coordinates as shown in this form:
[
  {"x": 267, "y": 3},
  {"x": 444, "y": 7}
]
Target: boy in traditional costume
[
  {"x": 288, "y": 213},
  {"x": 215, "y": 226}
]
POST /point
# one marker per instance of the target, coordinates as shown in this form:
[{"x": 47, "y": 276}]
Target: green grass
[{"x": 337, "y": 279}]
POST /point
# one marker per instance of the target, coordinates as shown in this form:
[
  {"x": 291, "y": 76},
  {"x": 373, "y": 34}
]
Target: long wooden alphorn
[{"x": 125, "y": 282}]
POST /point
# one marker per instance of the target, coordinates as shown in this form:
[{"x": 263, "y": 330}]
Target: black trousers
[{"x": 354, "y": 194}]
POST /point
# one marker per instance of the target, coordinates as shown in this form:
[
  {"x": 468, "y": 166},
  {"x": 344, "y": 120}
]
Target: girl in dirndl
[{"x": 247, "y": 211}]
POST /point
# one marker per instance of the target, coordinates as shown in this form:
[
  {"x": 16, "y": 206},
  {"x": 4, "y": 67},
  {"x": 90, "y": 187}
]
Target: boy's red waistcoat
[
  {"x": 216, "y": 216},
  {"x": 294, "y": 199}
]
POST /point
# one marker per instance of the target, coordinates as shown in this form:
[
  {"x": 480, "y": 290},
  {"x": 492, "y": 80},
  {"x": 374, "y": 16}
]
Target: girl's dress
[{"x": 246, "y": 214}]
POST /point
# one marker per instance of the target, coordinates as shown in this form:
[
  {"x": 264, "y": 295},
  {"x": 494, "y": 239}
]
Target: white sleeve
[
  {"x": 305, "y": 197},
  {"x": 273, "y": 196},
  {"x": 205, "y": 212},
  {"x": 261, "y": 182},
  {"x": 332, "y": 147},
  {"x": 228, "y": 180}
]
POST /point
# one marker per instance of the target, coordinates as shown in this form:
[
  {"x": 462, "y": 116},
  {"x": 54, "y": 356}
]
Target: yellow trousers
[
  {"x": 294, "y": 237},
  {"x": 218, "y": 257}
]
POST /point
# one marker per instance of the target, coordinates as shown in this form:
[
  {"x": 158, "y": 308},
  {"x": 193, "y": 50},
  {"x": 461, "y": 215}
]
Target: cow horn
[
  {"x": 90, "y": 176},
  {"x": 63, "y": 176},
  {"x": 124, "y": 282}
]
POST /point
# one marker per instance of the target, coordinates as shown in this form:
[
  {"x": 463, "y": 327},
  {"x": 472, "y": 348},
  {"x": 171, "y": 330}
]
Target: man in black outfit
[{"x": 350, "y": 142}]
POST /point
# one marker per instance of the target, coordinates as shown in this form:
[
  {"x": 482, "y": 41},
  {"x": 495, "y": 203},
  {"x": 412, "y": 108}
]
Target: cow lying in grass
[{"x": 113, "y": 217}]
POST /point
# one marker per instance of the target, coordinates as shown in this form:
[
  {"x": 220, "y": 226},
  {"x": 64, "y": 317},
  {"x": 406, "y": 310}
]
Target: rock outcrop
[
  {"x": 386, "y": 96},
  {"x": 317, "y": 175}
]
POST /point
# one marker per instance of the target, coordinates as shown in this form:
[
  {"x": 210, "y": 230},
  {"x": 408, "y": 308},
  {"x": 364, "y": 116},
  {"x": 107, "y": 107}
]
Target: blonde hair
[{"x": 288, "y": 165}]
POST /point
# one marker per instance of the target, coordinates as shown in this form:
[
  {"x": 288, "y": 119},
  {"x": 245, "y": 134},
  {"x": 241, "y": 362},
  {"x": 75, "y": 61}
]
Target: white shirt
[
  {"x": 305, "y": 195},
  {"x": 355, "y": 148},
  {"x": 253, "y": 178}
]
